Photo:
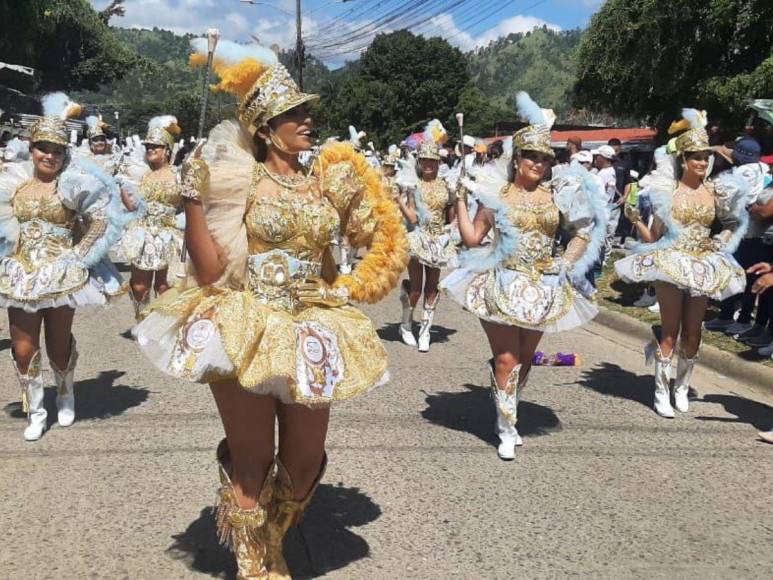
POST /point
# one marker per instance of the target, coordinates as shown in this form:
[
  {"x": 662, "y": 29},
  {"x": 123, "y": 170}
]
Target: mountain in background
[{"x": 540, "y": 62}]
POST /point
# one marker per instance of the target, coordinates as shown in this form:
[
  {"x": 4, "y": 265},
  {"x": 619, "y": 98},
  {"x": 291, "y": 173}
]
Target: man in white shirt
[{"x": 605, "y": 158}]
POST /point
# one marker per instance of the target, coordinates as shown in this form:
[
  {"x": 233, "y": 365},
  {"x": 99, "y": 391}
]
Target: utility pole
[{"x": 299, "y": 49}]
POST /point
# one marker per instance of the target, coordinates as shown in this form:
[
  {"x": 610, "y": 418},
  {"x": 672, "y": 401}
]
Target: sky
[{"x": 337, "y": 30}]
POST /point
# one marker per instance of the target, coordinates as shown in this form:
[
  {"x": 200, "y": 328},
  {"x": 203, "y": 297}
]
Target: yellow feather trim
[
  {"x": 72, "y": 111},
  {"x": 380, "y": 269},
  {"x": 234, "y": 78},
  {"x": 678, "y": 126}
]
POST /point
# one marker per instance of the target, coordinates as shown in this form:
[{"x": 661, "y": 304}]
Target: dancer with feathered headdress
[
  {"x": 263, "y": 316},
  {"x": 152, "y": 244},
  {"x": 686, "y": 263},
  {"x": 425, "y": 206},
  {"x": 59, "y": 216},
  {"x": 515, "y": 285}
]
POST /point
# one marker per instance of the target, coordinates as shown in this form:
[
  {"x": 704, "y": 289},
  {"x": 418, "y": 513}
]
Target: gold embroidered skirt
[
  {"x": 713, "y": 274},
  {"x": 313, "y": 357},
  {"x": 436, "y": 250},
  {"x": 513, "y": 298},
  {"x": 153, "y": 242}
]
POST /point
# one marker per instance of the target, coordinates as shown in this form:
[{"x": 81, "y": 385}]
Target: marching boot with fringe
[
  {"x": 32, "y": 396},
  {"x": 65, "y": 395},
  {"x": 284, "y": 512},
  {"x": 662, "y": 402},
  {"x": 684, "y": 369},
  {"x": 506, "y": 402},
  {"x": 406, "y": 325},
  {"x": 242, "y": 530},
  {"x": 426, "y": 324}
]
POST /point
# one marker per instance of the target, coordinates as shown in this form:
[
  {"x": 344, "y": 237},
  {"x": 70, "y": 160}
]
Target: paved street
[{"x": 603, "y": 488}]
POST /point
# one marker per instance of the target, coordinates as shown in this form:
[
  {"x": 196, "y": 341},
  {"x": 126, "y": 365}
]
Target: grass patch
[{"x": 614, "y": 294}]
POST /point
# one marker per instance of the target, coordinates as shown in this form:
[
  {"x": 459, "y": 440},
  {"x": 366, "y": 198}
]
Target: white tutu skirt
[
  {"x": 512, "y": 298},
  {"x": 433, "y": 250},
  {"x": 715, "y": 274},
  {"x": 58, "y": 283}
]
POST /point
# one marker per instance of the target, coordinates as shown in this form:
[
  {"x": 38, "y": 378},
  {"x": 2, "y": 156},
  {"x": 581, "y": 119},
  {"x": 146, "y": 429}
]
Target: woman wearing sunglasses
[
  {"x": 680, "y": 256},
  {"x": 152, "y": 243},
  {"x": 266, "y": 319},
  {"x": 58, "y": 219},
  {"x": 519, "y": 286}
]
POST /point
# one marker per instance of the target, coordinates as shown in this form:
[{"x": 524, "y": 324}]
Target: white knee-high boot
[
  {"x": 406, "y": 325},
  {"x": 684, "y": 369},
  {"x": 32, "y": 395},
  {"x": 506, "y": 402},
  {"x": 662, "y": 403},
  {"x": 65, "y": 395},
  {"x": 426, "y": 324}
]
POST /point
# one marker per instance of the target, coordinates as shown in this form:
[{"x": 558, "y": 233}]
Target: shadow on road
[
  {"x": 614, "y": 381},
  {"x": 746, "y": 411},
  {"x": 472, "y": 411},
  {"x": 391, "y": 332},
  {"x": 320, "y": 544},
  {"x": 97, "y": 398},
  {"x": 5, "y": 344}
]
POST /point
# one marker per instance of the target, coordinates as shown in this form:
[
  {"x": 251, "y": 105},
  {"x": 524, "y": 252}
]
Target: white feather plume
[
  {"x": 528, "y": 110},
  {"x": 696, "y": 118},
  {"x": 58, "y": 105},
  {"x": 93, "y": 121},
  {"x": 162, "y": 121}
]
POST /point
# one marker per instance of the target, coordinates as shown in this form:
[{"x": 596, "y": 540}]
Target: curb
[{"x": 724, "y": 363}]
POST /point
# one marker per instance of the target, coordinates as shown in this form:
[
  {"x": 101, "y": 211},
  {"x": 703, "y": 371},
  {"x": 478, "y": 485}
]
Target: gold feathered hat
[
  {"x": 162, "y": 130},
  {"x": 694, "y": 138},
  {"x": 536, "y": 135},
  {"x": 96, "y": 126},
  {"x": 253, "y": 73},
  {"x": 434, "y": 136},
  {"x": 51, "y": 127}
]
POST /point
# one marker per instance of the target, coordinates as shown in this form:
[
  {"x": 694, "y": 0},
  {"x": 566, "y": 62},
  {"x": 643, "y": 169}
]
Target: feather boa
[{"x": 380, "y": 269}]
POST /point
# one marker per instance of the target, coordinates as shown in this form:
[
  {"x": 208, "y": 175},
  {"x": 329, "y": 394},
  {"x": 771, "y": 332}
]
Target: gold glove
[
  {"x": 315, "y": 292},
  {"x": 458, "y": 193},
  {"x": 194, "y": 173},
  {"x": 341, "y": 185}
]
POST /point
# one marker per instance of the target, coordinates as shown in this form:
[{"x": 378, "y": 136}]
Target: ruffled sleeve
[
  {"x": 732, "y": 193},
  {"x": 12, "y": 176},
  {"x": 231, "y": 164},
  {"x": 581, "y": 201},
  {"x": 370, "y": 219}
]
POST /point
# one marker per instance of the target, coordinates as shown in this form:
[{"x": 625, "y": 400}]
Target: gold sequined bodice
[
  {"x": 694, "y": 211},
  {"x": 161, "y": 187},
  {"x": 537, "y": 218},
  {"x": 434, "y": 196},
  {"x": 29, "y": 205},
  {"x": 300, "y": 222}
]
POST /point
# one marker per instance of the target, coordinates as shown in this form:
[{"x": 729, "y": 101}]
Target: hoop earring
[{"x": 267, "y": 141}]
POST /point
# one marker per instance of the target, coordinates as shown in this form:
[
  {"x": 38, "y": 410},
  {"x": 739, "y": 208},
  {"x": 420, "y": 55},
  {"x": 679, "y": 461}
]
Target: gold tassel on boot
[
  {"x": 242, "y": 529},
  {"x": 285, "y": 512}
]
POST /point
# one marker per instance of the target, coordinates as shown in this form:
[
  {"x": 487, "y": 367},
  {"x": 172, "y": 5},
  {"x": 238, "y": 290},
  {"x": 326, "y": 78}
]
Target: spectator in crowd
[
  {"x": 573, "y": 145},
  {"x": 752, "y": 249},
  {"x": 604, "y": 159},
  {"x": 495, "y": 150},
  {"x": 584, "y": 158}
]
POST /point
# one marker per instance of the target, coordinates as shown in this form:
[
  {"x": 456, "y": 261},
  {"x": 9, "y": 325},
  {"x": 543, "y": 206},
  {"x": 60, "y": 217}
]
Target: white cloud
[{"x": 444, "y": 25}]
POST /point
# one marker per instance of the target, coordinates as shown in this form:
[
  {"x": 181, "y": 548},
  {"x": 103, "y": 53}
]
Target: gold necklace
[{"x": 293, "y": 182}]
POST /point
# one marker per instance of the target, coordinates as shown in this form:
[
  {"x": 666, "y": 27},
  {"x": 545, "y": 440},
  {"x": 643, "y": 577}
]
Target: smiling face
[
  {"x": 697, "y": 163},
  {"x": 48, "y": 159},
  {"x": 155, "y": 155},
  {"x": 532, "y": 166},
  {"x": 98, "y": 144},
  {"x": 293, "y": 129},
  {"x": 428, "y": 168}
]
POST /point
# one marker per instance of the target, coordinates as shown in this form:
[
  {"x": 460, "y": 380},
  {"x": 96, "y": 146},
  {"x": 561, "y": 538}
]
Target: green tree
[
  {"x": 65, "y": 41},
  {"x": 647, "y": 58},
  {"x": 400, "y": 83}
]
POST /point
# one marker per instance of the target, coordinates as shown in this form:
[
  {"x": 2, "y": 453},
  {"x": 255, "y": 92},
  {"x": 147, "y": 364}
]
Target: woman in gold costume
[
  {"x": 426, "y": 208},
  {"x": 686, "y": 263},
  {"x": 58, "y": 218},
  {"x": 263, "y": 317},
  {"x": 153, "y": 242},
  {"x": 516, "y": 285}
]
